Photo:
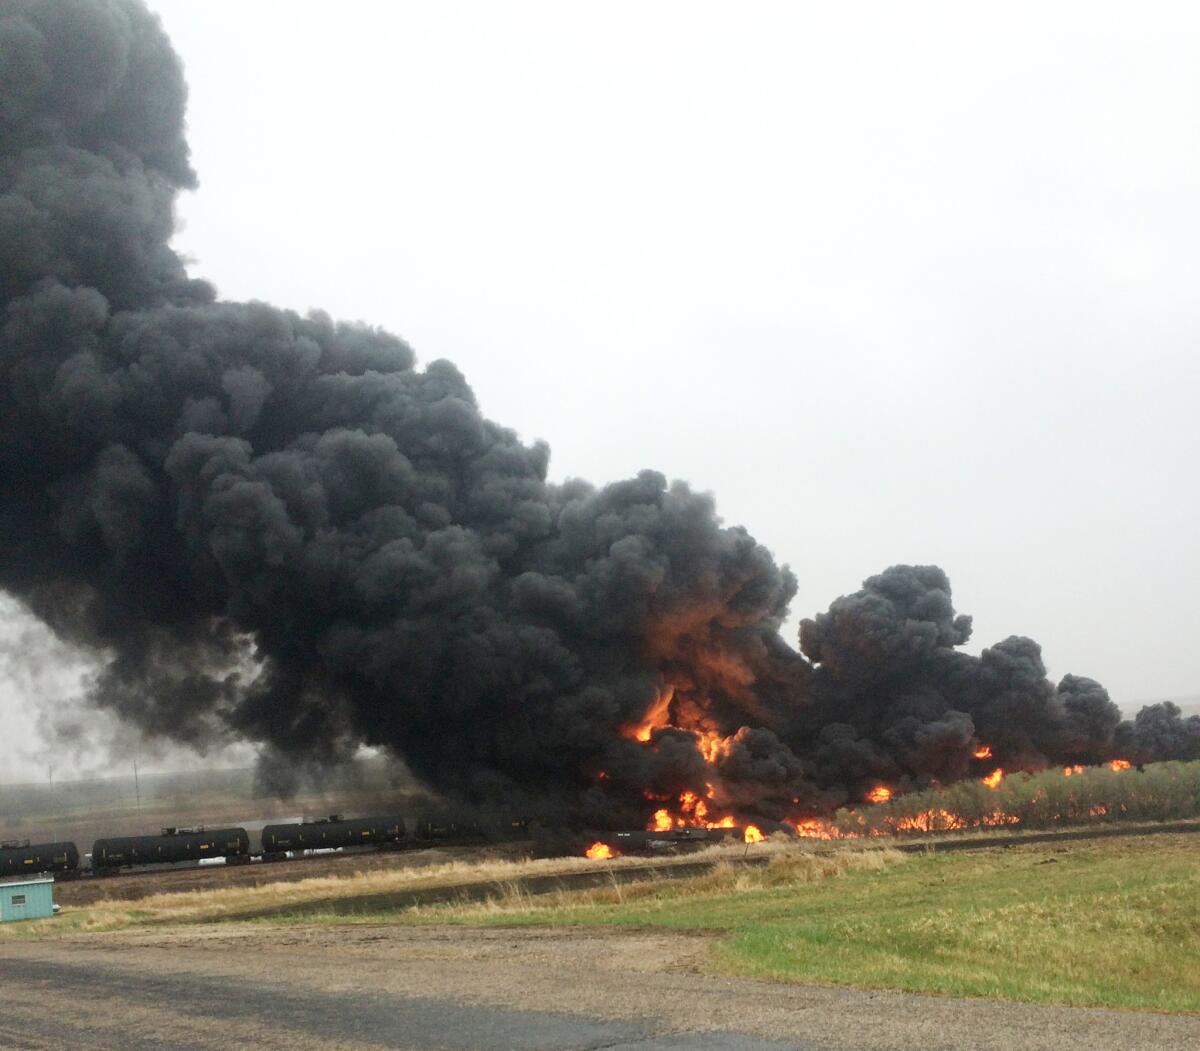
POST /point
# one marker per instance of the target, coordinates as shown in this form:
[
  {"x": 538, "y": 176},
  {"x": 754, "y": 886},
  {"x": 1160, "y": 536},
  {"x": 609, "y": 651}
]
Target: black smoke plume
[
  {"x": 279, "y": 528},
  {"x": 1160, "y": 731}
]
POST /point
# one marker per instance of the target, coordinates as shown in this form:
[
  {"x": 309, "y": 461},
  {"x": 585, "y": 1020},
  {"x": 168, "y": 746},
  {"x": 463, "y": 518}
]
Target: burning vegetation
[
  {"x": 1056, "y": 797},
  {"x": 1112, "y": 791}
]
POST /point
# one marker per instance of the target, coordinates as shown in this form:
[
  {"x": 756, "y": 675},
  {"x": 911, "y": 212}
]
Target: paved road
[
  {"x": 71, "y": 1000},
  {"x": 453, "y": 989}
]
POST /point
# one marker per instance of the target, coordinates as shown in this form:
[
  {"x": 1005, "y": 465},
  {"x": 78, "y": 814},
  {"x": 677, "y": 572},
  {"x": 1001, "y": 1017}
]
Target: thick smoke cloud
[
  {"x": 279, "y": 528},
  {"x": 894, "y": 700},
  {"x": 1160, "y": 732}
]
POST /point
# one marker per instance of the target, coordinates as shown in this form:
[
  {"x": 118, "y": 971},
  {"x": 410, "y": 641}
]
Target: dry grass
[
  {"x": 310, "y": 895},
  {"x": 788, "y": 868}
]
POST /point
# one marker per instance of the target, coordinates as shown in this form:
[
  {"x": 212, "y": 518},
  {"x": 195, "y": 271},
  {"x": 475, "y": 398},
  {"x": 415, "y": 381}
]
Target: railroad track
[{"x": 604, "y": 875}]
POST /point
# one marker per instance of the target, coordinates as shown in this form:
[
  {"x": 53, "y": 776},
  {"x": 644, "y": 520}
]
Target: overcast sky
[{"x": 898, "y": 283}]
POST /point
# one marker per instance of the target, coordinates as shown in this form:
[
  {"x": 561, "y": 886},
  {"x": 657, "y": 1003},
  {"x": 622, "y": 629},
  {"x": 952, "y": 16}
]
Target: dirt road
[{"x": 490, "y": 990}]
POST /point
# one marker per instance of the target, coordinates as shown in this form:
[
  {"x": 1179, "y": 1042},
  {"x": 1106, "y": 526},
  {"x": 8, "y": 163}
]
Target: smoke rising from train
[{"x": 281, "y": 529}]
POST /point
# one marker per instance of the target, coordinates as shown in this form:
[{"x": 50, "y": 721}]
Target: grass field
[
  {"x": 1109, "y": 923},
  {"x": 1114, "y": 923}
]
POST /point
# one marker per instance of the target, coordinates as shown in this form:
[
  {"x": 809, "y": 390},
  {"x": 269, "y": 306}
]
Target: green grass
[
  {"x": 1112, "y": 922},
  {"x": 1115, "y": 923}
]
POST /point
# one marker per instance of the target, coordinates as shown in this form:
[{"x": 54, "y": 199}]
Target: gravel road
[{"x": 458, "y": 989}]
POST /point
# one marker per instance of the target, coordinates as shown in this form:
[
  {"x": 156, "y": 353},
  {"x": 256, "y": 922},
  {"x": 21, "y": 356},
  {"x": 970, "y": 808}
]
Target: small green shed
[{"x": 30, "y": 899}]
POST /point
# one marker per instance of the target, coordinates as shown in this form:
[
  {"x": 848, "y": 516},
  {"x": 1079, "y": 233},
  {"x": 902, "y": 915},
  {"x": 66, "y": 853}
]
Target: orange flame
[
  {"x": 691, "y": 811},
  {"x": 692, "y": 805},
  {"x": 1117, "y": 765},
  {"x": 712, "y": 745},
  {"x": 598, "y": 852},
  {"x": 661, "y": 822},
  {"x": 812, "y": 828},
  {"x": 931, "y": 821},
  {"x": 657, "y": 716},
  {"x": 711, "y": 808}
]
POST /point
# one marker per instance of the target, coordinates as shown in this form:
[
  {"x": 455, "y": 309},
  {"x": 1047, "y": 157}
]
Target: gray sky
[{"x": 899, "y": 283}]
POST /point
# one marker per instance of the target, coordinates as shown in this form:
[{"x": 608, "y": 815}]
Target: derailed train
[
  {"x": 638, "y": 842},
  {"x": 175, "y": 845}
]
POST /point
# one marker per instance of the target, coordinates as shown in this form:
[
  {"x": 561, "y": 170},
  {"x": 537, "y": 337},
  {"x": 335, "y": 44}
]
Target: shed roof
[{"x": 22, "y": 882}]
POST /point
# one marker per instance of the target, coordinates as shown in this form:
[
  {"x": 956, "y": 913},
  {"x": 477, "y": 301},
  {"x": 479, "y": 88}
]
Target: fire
[
  {"x": 852, "y": 825},
  {"x": 812, "y": 828},
  {"x": 711, "y": 806},
  {"x": 599, "y": 852},
  {"x": 659, "y": 715},
  {"x": 931, "y": 821},
  {"x": 691, "y": 810},
  {"x": 948, "y": 821},
  {"x": 712, "y": 745}
]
